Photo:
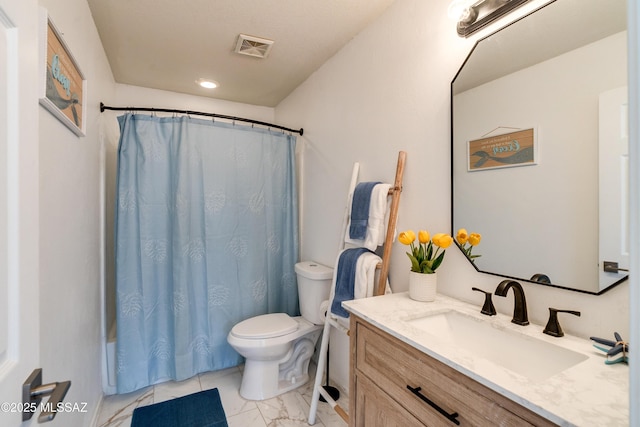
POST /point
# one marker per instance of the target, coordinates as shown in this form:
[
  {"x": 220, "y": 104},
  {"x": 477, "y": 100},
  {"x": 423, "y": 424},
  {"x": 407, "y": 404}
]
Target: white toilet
[{"x": 278, "y": 347}]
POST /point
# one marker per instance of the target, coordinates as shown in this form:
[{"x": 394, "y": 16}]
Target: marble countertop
[{"x": 589, "y": 393}]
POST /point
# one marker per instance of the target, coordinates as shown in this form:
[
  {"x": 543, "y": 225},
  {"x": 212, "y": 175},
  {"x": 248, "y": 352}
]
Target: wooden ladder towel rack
[
  {"x": 331, "y": 320},
  {"x": 391, "y": 226}
]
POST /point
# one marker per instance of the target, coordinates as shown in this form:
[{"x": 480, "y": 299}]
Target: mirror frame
[{"x": 453, "y": 230}]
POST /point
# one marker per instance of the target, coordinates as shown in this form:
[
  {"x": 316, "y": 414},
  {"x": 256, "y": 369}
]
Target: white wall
[
  {"x": 388, "y": 90},
  {"x": 70, "y": 297}
]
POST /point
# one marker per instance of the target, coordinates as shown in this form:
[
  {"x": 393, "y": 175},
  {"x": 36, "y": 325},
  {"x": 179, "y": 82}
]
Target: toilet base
[{"x": 264, "y": 379}]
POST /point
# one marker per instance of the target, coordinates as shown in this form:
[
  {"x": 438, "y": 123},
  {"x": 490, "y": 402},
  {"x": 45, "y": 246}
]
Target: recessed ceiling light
[{"x": 207, "y": 84}]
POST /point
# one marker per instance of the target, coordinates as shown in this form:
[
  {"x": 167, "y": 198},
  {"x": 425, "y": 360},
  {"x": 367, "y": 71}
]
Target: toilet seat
[{"x": 265, "y": 326}]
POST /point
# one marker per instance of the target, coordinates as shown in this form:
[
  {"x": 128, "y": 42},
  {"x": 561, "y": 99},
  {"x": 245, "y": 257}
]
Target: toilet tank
[{"x": 314, "y": 285}]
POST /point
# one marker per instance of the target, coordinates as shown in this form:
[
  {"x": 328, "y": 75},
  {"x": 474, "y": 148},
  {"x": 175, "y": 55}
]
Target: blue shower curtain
[{"x": 206, "y": 236}]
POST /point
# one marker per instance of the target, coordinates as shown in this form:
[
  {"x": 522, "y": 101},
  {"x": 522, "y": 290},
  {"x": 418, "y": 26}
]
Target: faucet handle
[
  {"x": 540, "y": 278},
  {"x": 553, "y": 326},
  {"x": 488, "y": 307}
]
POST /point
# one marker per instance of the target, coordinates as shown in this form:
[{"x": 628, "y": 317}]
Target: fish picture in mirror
[
  {"x": 544, "y": 224},
  {"x": 505, "y": 150}
]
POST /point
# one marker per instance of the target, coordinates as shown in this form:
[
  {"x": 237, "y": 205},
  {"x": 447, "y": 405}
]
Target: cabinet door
[{"x": 375, "y": 408}]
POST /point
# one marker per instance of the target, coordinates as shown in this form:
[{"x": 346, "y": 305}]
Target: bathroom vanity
[{"x": 443, "y": 364}]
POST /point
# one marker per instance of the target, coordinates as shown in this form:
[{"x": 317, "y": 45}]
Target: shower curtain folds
[{"x": 206, "y": 236}]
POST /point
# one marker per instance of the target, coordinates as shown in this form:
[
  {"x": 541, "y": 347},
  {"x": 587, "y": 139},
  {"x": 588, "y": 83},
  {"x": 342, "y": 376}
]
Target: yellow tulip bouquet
[
  {"x": 428, "y": 254},
  {"x": 467, "y": 242}
]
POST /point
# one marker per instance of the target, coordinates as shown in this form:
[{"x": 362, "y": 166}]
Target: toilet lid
[{"x": 265, "y": 326}]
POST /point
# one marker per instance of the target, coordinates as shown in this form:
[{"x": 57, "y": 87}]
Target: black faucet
[
  {"x": 520, "y": 316},
  {"x": 553, "y": 326}
]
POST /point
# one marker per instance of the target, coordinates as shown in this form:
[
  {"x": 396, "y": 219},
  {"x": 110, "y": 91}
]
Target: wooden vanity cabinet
[{"x": 391, "y": 383}]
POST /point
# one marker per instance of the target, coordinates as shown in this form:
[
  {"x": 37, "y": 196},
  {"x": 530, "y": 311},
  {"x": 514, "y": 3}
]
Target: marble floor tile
[
  {"x": 326, "y": 414},
  {"x": 116, "y": 410},
  {"x": 287, "y": 410},
  {"x": 211, "y": 376},
  {"x": 250, "y": 418},
  {"x": 229, "y": 388},
  {"x": 172, "y": 389}
]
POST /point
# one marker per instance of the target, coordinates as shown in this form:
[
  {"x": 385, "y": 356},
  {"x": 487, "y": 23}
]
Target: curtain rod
[{"x": 197, "y": 113}]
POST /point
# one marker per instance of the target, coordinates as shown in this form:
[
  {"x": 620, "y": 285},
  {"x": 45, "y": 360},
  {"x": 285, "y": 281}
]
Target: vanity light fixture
[
  {"x": 458, "y": 8},
  {"x": 207, "y": 84},
  {"x": 472, "y": 15}
]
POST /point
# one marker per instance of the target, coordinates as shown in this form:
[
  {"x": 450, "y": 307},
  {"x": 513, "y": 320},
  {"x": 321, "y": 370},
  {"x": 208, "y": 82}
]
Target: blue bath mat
[{"x": 202, "y": 409}]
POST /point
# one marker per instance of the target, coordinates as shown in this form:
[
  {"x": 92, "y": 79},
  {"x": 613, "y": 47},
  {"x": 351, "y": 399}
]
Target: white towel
[
  {"x": 378, "y": 219},
  {"x": 366, "y": 276},
  {"x": 365, "y": 279}
]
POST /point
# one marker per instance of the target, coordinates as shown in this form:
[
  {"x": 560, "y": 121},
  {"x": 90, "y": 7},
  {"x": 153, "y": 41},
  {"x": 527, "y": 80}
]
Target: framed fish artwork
[
  {"x": 62, "y": 84},
  {"x": 502, "y": 151}
]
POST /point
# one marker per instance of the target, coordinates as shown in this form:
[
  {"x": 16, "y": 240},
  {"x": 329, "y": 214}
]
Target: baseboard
[{"x": 96, "y": 414}]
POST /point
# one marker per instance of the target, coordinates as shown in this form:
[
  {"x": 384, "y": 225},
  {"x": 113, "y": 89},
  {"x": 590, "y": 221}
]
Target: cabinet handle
[{"x": 450, "y": 417}]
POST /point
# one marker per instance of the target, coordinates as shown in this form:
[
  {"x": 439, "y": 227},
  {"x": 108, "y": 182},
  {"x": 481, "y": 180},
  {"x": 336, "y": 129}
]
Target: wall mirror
[{"x": 539, "y": 147}]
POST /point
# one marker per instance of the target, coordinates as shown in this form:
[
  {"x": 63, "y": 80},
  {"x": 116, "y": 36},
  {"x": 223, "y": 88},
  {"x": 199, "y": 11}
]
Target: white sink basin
[{"x": 527, "y": 356}]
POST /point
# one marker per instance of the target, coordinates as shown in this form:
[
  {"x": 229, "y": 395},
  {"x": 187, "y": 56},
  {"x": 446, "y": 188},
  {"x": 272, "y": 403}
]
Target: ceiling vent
[{"x": 253, "y": 46}]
